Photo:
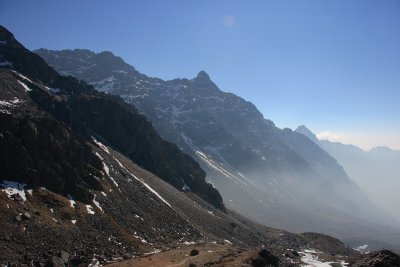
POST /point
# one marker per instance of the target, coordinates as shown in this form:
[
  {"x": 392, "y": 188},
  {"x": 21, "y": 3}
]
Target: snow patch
[
  {"x": 119, "y": 163},
  {"x": 22, "y": 76},
  {"x": 5, "y": 106},
  {"x": 156, "y": 193},
  {"x": 144, "y": 241},
  {"x": 10, "y": 103},
  {"x": 99, "y": 156},
  {"x": 89, "y": 209},
  {"x": 97, "y": 203},
  {"x": 71, "y": 201},
  {"x": 219, "y": 169},
  {"x": 113, "y": 180},
  {"x": 106, "y": 169},
  {"x": 100, "y": 145},
  {"x": 226, "y": 241},
  {"x": 155, "y": 251},
  {"x": 104, "y": 85},
  {"x": 11, "y": 188},
  {"x": 73, "y": 221},
  {"x": 94, "y": 263},
  {"x": 362, "y": 248},
  {"x": 148, "y": 187},
  {"x": 25, "y": 86},
  {"x": 185, "y": 187},
  {"x": 311, "y": 259}
]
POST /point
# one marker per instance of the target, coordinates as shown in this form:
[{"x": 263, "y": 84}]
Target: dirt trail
[{"x": 218, "y": 255}]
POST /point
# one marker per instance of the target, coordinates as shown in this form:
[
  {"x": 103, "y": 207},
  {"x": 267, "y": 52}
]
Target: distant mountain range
[
  {"x": 76, "y": 187},
  {"x": 276, "y": 177},
  {"x": 376, "y": 171}
]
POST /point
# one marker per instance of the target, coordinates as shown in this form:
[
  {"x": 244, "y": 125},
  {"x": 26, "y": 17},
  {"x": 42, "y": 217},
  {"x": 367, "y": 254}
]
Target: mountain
[
  {"x": 267, "y": 174},
  {"x": 72, "y": 196},
  {"x": 377, "y": 171},
  {"x": 110, "y": 119}
]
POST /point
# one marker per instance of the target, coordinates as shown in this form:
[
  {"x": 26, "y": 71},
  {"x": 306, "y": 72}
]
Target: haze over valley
[{"x": 199, "y": 134}]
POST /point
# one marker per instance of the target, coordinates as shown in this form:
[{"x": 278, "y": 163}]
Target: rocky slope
[
  {"x": 87, "y": 113},
  {"x": 68, "y": 198},
  {"x": 270, "y": 175}
]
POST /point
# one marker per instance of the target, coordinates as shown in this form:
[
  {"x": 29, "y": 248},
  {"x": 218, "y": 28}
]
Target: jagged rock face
[
  {"x": 39, "y": 150},
  {"x": 59, "y": 190},
  {"x": 112, "y": 209},
  {"x": 271, "y": 175},
  {"x": 383, "y": 258},
  {"x": 68, "y": 199},
  {"x": 86, "y": 112}
]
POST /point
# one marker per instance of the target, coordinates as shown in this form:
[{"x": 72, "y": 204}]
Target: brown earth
[{"x": 209, "y": 255}]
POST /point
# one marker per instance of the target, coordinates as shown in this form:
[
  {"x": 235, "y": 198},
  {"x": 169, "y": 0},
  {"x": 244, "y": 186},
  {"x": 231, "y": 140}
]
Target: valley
[{"x": 191, "y": 176}]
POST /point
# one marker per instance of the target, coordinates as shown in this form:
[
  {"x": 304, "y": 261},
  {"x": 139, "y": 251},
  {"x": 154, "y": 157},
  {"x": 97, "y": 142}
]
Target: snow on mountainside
[
  {"x": 68, "y": 198},
  {"x": 270, "y": 175}
]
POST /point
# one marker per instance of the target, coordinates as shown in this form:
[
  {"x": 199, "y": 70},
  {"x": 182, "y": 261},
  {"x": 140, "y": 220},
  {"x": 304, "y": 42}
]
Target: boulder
[{"x": 383, "y": 258}]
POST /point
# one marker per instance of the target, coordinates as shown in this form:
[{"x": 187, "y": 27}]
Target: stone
[
  {"x": 269, "y": 258},
  {"x": 64, "y": 255},
  {"x": 259, "y": 262},
  {"x": 194, "y": 252}
]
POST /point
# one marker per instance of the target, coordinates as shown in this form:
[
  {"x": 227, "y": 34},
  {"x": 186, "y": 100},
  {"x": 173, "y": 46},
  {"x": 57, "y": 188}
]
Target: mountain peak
[
  {"x": 302, "y": 129},
  {"x": 203, "y": 76}
]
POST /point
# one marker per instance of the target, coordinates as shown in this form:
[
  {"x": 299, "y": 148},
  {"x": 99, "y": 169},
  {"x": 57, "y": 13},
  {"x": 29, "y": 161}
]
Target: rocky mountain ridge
[
  {"x": 87, "y": 112},
  {"x": 262, "y": 172},
  {"x": 68, "y": 198}
]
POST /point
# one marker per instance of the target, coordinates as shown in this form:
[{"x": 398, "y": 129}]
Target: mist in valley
[
  {"x": 175, "y": 125},
  {"x": 376, "y": 171}
]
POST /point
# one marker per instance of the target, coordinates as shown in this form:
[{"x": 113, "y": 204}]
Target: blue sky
[{"x": 332, "y": 65}]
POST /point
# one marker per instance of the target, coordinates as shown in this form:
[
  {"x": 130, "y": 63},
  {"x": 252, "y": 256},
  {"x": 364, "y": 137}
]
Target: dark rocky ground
[{"x": 67, "y": 199}]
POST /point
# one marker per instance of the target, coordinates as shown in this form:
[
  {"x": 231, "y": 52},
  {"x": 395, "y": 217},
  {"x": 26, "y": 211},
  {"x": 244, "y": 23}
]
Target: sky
[{"x": 331, "y": 65}]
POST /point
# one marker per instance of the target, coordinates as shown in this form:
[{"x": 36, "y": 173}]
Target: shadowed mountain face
[
  {"x": 276, "y": 177},
  {"x": 77, "y": 106},
  {"x": 377, "y": 171},
  {"x": 69, "y": 198}
]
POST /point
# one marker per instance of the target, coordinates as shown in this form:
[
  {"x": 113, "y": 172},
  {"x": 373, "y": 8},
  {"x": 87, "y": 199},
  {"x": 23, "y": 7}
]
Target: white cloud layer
[
  {"x": 363, "y": 140},
  {"x": 331, "y": 136}
]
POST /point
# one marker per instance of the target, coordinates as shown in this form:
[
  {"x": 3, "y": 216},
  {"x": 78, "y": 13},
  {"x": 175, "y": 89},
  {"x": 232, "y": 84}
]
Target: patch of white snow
[
  {"x": 25, "y": 86},
  {"x": 71, "y": 201},
  {"x": 156, "y": 193},
  {"x": 97, "y": 203},
  {"x": 89, "y": 209},
  {"x": 100, "y": 144},
  {"x": 11, "y": 188},
  {"x": 226, "y": 241}
]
